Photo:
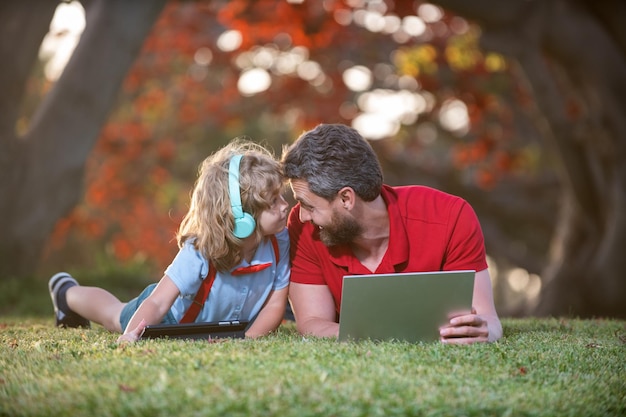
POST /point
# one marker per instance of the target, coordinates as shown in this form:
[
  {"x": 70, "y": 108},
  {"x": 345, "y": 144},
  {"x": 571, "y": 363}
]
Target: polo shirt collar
[
  {"x": 264, "y": 254},
  {"x": 398, "y": 249}
]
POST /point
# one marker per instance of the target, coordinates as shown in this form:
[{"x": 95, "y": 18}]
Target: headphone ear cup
[{"x": 244, "y": 226}]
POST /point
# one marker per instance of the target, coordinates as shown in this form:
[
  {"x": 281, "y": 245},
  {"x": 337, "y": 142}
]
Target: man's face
[
  {"x": 342, "y": 229},
  {"x": 335, "y": 224}
]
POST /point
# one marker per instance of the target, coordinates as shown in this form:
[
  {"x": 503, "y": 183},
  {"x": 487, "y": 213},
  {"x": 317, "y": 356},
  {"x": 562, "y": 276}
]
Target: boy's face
[{"x": 274, "y": 219}]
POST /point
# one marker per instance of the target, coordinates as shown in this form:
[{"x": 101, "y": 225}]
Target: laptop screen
[{"x": 403, "y": 306}]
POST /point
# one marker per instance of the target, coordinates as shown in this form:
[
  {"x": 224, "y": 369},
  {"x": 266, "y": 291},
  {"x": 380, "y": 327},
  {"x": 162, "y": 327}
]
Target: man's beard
[{"x": 341, "y": 230}]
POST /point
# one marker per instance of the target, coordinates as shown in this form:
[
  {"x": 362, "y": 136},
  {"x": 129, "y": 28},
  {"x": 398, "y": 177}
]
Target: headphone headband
[
  {"x": 233, "y": 186},
  {"x": 244, "y": 222}
]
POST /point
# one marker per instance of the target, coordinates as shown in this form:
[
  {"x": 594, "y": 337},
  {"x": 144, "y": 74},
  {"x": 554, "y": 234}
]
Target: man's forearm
[
  {"x": 318, "y": 327},
  {"x": 495, "y": 328}
]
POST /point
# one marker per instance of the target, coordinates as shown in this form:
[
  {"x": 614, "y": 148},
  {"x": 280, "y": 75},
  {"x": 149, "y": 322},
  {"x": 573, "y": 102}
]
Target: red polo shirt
[{"x": 429, "y": 231}]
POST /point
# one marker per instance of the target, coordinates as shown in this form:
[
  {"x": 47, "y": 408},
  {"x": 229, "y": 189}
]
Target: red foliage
[
  {"x": 308, "y": 24},
  {"x": 144, "y": 164}
]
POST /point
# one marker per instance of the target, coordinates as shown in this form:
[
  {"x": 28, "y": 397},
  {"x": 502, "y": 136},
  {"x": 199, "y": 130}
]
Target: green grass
[{"x": 543, "y": 367}]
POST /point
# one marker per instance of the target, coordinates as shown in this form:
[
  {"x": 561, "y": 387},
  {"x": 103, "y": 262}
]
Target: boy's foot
[{"x": 58, "y": 285}]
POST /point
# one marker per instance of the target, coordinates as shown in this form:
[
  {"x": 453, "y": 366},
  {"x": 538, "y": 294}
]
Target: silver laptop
[{"x": 402, "y": 306}]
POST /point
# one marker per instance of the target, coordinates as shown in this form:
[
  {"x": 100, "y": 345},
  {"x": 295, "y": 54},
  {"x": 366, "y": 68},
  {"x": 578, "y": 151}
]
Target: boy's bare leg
[{"x": 97, "y": 305}]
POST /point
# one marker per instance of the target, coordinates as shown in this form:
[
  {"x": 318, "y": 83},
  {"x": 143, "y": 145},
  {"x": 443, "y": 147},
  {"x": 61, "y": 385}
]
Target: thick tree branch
[
  {"x": 69, "y": 120},
  {"x": 21, "y": 33},
  {"x": 67, "y": 124}
]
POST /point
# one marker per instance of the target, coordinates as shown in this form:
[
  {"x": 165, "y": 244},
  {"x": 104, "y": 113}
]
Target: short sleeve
[
  {"x": 188, "y": 269},
  {"x": 466, "y": 246}
]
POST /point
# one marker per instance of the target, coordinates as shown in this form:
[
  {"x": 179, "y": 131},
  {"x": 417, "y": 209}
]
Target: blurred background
[{"x": 109, "y": 106}]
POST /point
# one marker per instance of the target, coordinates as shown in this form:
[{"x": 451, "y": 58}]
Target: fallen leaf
[{"x": 126, "y": 388}]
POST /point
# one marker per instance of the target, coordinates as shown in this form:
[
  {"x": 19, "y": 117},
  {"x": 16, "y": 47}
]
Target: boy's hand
[{"x": 133, "y": 335}]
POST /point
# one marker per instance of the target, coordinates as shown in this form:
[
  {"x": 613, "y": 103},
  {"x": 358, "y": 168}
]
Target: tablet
[
  {"x": 214, "y": 330},
  {"x": 403, "y": 306}
]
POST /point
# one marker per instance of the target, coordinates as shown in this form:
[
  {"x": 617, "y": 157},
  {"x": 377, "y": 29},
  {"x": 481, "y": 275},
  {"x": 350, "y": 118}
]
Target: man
[{"x": 348, "y": 222}]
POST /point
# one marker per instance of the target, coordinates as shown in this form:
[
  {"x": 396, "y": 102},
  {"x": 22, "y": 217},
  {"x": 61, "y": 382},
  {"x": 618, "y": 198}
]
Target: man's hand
[{"x": 465, "y": 328}]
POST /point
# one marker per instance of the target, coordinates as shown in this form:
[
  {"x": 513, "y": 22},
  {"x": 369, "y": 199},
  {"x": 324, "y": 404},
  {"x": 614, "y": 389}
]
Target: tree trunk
[
  {"x": 45, "y": 167},
  {"x": 572, "y": 53}
]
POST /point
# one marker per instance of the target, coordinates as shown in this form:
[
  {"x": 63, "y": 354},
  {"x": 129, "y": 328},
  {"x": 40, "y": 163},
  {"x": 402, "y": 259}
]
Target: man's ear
[{"x": 348, "y": 197}]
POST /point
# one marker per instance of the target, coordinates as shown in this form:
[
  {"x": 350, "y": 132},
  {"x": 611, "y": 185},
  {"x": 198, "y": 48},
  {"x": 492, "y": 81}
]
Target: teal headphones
[{"x": 244, "y": 222}]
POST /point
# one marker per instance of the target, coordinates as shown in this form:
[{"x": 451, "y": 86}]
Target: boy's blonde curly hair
[{"x": 210, "y": 221}]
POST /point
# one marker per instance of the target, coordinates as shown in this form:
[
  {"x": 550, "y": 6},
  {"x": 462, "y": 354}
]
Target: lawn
[{"x": 547, "y": 367}]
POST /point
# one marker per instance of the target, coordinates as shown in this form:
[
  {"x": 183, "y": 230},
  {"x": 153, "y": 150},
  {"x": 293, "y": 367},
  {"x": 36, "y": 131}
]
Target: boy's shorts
[{"x": 132, "y": 306}]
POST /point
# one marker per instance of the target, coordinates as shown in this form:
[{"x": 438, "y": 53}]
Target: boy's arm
[
  {"x": 152, "y": 309},
  {"x": 271, "y": 315}
]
